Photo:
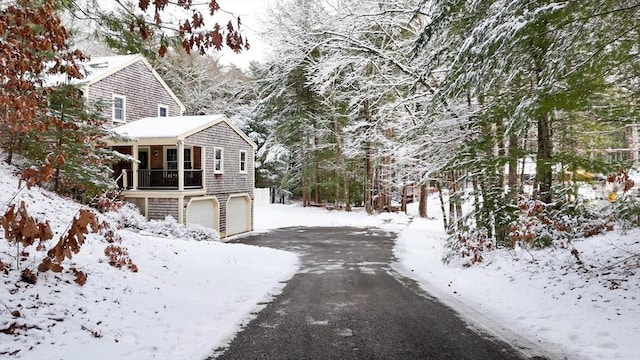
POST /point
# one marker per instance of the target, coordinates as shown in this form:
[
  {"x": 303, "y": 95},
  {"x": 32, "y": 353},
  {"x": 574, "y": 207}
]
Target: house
[
  {"x": 126, "y": 86},
  {"x": 198, "y": 169}
]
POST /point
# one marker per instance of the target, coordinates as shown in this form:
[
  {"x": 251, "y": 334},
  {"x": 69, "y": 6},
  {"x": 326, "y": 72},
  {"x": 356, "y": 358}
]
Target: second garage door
[{"x": 238, "y": 214}]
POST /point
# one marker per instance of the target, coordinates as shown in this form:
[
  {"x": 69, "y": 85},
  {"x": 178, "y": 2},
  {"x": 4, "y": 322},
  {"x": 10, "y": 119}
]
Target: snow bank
[{"x": 544, "y": 296}]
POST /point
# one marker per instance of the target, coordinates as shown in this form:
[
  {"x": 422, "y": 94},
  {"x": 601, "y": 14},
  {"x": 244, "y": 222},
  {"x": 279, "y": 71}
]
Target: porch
[
  {"x": 160, "y": 167},
  {"x": 162, "y": 179}
]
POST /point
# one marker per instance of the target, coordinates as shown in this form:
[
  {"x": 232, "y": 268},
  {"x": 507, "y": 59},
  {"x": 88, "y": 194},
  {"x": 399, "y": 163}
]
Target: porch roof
[{"x": 171, "y": 129}]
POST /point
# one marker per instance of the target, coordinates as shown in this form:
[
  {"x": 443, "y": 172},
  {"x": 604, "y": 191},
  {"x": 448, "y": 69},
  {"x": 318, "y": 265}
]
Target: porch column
[
  {"x": 134, "y": 166},
  {"x": 180, "y": 165},
  {"x": 203, "y": 166}
]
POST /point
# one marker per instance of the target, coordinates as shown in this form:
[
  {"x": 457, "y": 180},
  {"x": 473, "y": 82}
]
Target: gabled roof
[
  {"x": 99, "y": 68},
  {"x": 171, "y": 129}
]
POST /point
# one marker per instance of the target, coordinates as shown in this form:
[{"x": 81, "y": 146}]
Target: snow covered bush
[
  {"x": 128, "y": 216},
  {"x": 541, "y": 225},
  {"x": 468, "y": 246},
  {"x": 533, "y": 224},
  {"x": 627, "y": 211},
  {"x": 169, "y": 227},
  {"x": 201, "y": 233}
]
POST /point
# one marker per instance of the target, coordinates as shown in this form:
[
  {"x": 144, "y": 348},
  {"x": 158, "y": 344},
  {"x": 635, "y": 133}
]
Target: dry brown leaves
[
  {"x": 119, "y": 257},
  {"x": 70, "y": 244},
  {"x": 23, "y": 229}
]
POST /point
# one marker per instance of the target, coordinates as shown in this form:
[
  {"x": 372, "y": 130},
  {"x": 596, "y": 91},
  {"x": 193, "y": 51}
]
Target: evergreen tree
[{"x": 72, "y": 139}]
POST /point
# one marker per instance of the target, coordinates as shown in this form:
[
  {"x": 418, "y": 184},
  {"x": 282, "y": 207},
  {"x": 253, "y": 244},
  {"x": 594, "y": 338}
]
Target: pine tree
[{"x": 72, "y": 138}]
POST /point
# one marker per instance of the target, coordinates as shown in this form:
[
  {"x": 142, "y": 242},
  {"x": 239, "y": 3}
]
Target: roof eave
[{"x": 144, "y": 141}]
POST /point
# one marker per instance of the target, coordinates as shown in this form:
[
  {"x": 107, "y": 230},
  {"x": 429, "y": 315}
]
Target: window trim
[
  {"x": 160, "y": 106},
  {"x": 166, "y": 157},
  {"x": 124, "y": 108},
  {"x": 215, "y": 151},
  {"x": 242, "y": 163}
]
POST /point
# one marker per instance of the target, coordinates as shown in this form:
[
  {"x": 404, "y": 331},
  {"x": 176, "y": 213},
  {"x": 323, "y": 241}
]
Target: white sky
[{"x": 250, "y": 12}]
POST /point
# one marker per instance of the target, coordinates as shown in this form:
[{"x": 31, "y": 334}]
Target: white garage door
[
  {"x": 203, "y": 212},
  {"x": 238, "y": 215}
]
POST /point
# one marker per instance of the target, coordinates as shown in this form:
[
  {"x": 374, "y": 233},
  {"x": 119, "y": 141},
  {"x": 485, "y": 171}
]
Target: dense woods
[{"x": 505, "y": 107}]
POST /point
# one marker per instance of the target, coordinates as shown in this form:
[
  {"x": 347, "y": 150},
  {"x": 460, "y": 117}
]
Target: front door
[{"x": 143, "y": 157}]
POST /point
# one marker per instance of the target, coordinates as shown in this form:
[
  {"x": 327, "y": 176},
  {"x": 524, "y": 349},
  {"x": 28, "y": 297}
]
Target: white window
[
  {"x": 119, "y": 104},
  {"x": 243, "y": 161},
  {"x": 218, "y": 160},
  {"x": 163, "y": 111},
  {"x": 171, "y": 158}
]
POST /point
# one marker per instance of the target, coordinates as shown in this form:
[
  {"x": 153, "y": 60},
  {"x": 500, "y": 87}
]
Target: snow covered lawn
[{"x": 187, "y": 298}]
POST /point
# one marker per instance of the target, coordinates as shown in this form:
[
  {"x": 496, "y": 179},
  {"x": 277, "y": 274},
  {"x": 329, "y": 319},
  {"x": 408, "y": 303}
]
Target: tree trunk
[
  {"x": 347, "y": 195},
  {"x": 444, "y": 213},
  {"x": 11, "y": 148},
  {"x": 368, "y": 201},
  {"x": 422, "y": 205},
  {"x": 56, "y": 178},
  {"x": 317, "y": 187},
  {"x": 476, "y": 199},
  {"x": 452, "y": 202},
  {"x": 303, "y": 165},
  {"x": 544, "y": 173},
  {"x": 512, "y": 180}
]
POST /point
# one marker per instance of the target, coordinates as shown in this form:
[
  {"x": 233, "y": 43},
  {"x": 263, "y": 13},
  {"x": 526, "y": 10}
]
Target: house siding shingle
[
  {"x": 143, "y": 92},
  {"x": 159, "y": 208}
]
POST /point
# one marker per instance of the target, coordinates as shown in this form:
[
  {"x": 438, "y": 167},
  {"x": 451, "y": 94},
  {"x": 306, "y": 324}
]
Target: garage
[
  {"x": 238, "y": 214},
  {"x": 205, "y": 212}
]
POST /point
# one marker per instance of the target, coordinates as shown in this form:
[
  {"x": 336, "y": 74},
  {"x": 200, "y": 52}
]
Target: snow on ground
[
  {"x": 190, "y": 297},
  {"x": 187, "y": 298},
  {"x": 590, "y": 312}
]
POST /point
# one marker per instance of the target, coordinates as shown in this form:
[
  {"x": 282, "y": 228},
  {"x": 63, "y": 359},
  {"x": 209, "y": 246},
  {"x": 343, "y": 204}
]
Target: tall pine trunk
[
  {"x": 441, "y": 197},
  {"x": 512, "y": 180},
  {"x": 303, "y": 164},
  {"x": 368, "y": 201},
  {"x": 544, "y": 173}
]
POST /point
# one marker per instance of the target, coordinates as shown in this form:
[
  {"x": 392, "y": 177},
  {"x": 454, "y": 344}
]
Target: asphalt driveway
[{"x": 347, "y": 303}]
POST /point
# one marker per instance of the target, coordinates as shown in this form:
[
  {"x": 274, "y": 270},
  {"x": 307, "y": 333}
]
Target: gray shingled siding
[
  {"x": 159, "y": 208},
  {"x": 231, "y": 181},
  {"x": 142, "y": 90}
]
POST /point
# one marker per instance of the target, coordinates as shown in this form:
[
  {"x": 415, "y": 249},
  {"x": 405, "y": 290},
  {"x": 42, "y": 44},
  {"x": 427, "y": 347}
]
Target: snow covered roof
[
  {"x": 173, "y": 128},
  {"x": 95, "y": 69},
  {"x": 101, "y": 67}
]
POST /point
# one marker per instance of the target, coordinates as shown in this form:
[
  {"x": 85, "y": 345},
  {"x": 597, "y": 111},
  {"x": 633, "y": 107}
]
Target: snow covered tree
[
  {"x": 288, "y": 101},
  {"x": 208, "y": 87},
  {"x": 528, "y": 68}
]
